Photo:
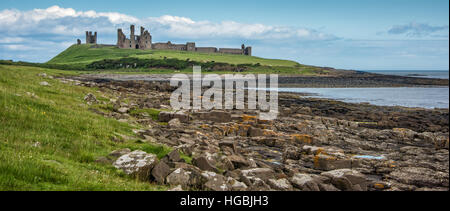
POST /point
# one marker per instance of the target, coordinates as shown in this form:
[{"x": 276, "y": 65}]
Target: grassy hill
[
  {"x": 81, "y": 56},
  {"x": 85, "y": 54},
  {"x": 50, "y": 139}
]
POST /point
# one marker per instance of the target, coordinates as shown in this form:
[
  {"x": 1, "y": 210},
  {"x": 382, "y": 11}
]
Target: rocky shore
[{"x": 314, "y": 144}]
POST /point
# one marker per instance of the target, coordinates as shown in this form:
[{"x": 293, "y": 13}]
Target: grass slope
[
  {"x": 85, "y": 54},
  {"x": 49, "y": 139}
]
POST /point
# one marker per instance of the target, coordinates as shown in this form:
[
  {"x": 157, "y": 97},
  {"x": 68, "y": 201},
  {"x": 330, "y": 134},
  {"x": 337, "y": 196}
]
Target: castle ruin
[
  {"x": 144, "y": 42},
  {"x": 91, "y": 39}
]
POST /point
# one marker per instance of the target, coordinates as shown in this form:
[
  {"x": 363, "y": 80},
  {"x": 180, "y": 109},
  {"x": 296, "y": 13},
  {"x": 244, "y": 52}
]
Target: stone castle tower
[
  {"x": 91, "y": 39},
  {"x": 142, "y": 41}
]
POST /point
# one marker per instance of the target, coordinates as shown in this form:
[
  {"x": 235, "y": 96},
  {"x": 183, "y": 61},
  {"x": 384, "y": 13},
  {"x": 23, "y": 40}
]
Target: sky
[{"x": 361, "y": 35}]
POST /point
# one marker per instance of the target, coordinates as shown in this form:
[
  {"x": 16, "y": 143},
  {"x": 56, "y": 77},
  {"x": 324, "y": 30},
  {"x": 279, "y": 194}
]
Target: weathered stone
[
  {"x": 262, "y": 173},
  {"x": 238, "y": 186},
  {"x": 292, "y": 153},
  {"x": 255, "y": 132},
  {"x": 215, "y": 116},
  {"x": 327, "y": 163},
  {"x": 346, "y": 179},
  {"x": 257, "y": 184},
  {"x": 238, "y": 161},
  {"x": 280, "y": 184},
  {"x": 204, "y": 164},
  {"x": 175, "y": 123},
  {"x": 174, "y": 156},
  {"x": 167, "y": 116},
  {"x": 123, "y": 110},
  {"x": 228, "y": 143},
  {"x": 304, "y": 182},
  {"x": 160, "y": 172},
  {"x": 420, "y": 177},
  {"x": 179, "y": 177},
  {"x": 137, "y": 163},
  {"x": 215, "y": 182}
]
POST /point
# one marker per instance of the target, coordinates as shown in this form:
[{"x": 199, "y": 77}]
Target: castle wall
[
  {"x": 231, "y": 51},
  {"x": 206, "y": 49},
  {"x": 169, "y": 46}
]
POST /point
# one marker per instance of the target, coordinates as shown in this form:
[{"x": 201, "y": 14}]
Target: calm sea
[
  {"x": 436, "y": 97},
  {"x": 424, "y": 97}
]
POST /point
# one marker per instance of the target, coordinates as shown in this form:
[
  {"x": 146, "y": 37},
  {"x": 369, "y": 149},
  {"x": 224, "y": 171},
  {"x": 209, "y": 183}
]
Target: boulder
[
  {"x": 280, "y": 184},
  {"x": 347, "y": 179},
  {"x": 167, "y": 116},
  {"x": 263, "y": 173},
  {"x": 173, "y": 156},
  {"x": 187, "y": 178},
  {"x": 203, "y": 163},
  {"x": 215, "y": 116},
  {"x": 305, "y": 182},
  {"x": 137, "y": 163},
  {"x": 160, "y": 172},
  {"x": 228, "y": 143},
  {"x": 179, "y": 177},
  {"x": 255, "y": 132},
  {"x": 237, "y": 186},
  {"x": 327, "y": 163},
  {"x": 215, "y": 182},
  {"x": 123, "y": 110},
  {"x": 238, "y": 161},
  {"x": 175, "y": 123}
]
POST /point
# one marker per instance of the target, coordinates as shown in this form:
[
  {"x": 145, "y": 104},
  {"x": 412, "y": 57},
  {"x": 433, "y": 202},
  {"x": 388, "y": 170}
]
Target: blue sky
[{"x": 364, "y": 34}]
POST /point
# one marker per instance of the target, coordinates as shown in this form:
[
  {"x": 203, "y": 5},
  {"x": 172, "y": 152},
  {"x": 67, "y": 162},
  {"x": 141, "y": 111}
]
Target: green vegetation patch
[{"x": 49, "y": 139}]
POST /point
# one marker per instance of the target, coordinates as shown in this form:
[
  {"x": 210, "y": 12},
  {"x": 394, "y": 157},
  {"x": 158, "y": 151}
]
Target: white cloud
[
  {"x": 67, "y": 21},
  {"x": 414, "y": 29}
]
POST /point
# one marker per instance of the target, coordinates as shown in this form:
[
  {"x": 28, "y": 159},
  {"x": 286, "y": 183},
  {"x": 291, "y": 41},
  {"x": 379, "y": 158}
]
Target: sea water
[{"x": 424, "y": 97}]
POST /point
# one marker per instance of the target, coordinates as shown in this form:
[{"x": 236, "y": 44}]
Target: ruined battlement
[
  {"x": 91, "y": 39},
  {"x": 142, "y": 41}
]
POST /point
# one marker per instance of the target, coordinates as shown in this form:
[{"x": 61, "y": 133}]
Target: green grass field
[
  {"x": 85, "y": 54},
  {"x": 49, "y": 139},
  {"x": 79, "y": 56}
]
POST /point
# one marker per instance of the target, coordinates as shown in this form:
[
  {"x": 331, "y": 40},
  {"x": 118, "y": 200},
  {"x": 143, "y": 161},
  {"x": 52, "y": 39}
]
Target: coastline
[{"x": 388, "y": 148}]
